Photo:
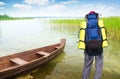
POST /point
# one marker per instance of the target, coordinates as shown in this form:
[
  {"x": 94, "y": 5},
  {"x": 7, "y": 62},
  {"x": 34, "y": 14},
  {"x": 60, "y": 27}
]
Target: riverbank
[{"x": 11, "y": 18}]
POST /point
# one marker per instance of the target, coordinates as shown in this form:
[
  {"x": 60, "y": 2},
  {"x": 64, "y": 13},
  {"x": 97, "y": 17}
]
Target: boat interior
[{"x": 27, "y": 56}]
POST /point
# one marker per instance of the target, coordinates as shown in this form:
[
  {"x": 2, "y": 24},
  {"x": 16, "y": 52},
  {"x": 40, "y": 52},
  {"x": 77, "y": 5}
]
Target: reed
[
  {"x": 66, "y": 21},
  {"x": 111, "y": 23},
  {"x": 69, "y": 26},
  {"x": 113, "y": 26}
]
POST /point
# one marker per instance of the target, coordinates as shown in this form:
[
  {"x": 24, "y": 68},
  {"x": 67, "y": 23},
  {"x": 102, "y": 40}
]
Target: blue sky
[{"x": 61, "y": 8}]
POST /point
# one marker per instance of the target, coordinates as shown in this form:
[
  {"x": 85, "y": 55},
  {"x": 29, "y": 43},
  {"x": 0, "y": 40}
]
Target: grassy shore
[
  {"x": 111, "y": 23},
  {"x": 6, "y": 17},
  {"x": 13, "y": 18},
  {"x": 113, "y": 26}
]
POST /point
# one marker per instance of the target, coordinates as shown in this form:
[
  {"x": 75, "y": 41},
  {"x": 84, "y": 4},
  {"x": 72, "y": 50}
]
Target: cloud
[
  {"x": 22, "y": 6},
  {"x": 68, "y": 2},
  {"x": 105, "y": 10},
  {"x": 38, "y": 2},
  {"x": 2, "y": 3},
  {"x": 53, "y": 10},
  {"x": 56, "y": 8}
]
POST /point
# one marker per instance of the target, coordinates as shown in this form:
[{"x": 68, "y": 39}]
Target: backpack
[{"x": 93, "y": 38}]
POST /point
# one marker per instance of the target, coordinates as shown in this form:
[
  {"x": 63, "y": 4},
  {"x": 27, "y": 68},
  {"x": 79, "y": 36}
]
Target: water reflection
[
  {"x": 65, "y": 28},
  {"x": 45, "y": 71},
  {"x": 0, "y": 32}
]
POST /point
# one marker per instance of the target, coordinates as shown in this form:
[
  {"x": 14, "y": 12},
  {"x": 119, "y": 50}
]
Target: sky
[{"x": 58, "y": 8}]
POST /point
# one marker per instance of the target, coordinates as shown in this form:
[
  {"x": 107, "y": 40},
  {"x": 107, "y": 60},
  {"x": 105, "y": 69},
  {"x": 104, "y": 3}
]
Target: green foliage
[
  {"x": 70, "y": 26},
  {"x": 113, "y": 27},
  {"x": 112, "y": 22},
  {"x": 5, "y": 17},
  {"x": 66, "y": 21}
]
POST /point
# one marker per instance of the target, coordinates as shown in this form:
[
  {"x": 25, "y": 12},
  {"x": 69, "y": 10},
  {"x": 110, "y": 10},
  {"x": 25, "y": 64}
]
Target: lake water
[{"x": 21, "y": 35}]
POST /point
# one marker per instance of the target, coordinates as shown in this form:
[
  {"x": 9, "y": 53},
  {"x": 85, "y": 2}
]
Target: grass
[
  {"x": 67, "y": 21},
  {"x": 111, "y": 23},
  {"x": 70, "y": 26},
  {"x": 113, "y": 26}
]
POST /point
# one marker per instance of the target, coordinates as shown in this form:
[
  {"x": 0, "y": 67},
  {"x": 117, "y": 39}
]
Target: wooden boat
[{"x": 17, "y": 63}]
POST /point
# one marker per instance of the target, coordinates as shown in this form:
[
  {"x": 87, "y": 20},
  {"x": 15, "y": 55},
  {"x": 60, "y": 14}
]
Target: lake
[{"x": 21, "y": 35}]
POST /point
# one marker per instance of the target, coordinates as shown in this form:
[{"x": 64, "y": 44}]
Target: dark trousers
[{"x": 89, "y": 57}]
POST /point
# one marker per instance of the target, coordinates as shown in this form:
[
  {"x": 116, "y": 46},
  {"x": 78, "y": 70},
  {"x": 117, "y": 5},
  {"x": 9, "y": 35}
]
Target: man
[{"x": 90, "y": 54}]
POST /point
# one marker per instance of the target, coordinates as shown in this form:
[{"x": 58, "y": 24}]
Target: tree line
[{"x": 5, "y": 16}]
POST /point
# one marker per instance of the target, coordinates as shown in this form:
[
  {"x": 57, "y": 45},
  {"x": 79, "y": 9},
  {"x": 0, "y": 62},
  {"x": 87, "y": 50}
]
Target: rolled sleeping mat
[
  {"x": 100, "y": 23},
  {"x": 104, "y": 35},
  {"x": 83, "y": 25},
  {"x": 81, "y": 43}
]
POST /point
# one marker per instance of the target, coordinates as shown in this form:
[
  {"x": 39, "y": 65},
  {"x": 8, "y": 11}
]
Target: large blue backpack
[{"x": 93, "y": 32}]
